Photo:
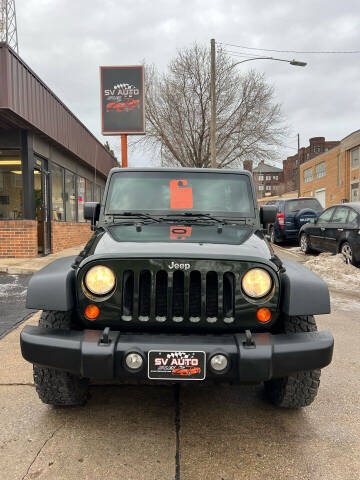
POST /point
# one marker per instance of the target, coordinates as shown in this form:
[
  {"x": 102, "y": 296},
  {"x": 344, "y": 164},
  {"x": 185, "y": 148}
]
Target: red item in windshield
[{"x": 181, "y": 197}]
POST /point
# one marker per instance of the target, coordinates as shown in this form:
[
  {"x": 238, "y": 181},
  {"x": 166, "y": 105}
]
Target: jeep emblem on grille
[{"x": 179, "y": 266}]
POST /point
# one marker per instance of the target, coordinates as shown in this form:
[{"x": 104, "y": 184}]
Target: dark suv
[
  {"x": 292, "y": 214},
  {"x": 177, "y": 284}
]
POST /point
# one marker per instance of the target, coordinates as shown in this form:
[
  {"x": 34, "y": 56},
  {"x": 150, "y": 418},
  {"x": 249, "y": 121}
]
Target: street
[
  {"x": 12, "y": 301},
  {"x": 190, "y": 432}
]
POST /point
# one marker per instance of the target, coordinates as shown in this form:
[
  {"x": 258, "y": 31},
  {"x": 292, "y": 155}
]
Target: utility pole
[
  {"x": 213, "y": 105},
  {"x": 8, "y": 29},
  {"x": 298, "y": 164}
]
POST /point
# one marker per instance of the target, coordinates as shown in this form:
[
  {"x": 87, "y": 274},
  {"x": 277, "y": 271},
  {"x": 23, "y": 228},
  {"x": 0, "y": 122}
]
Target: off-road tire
[
  {"x": 299, "y": 389},
  {"x": 56, "y": 387}
]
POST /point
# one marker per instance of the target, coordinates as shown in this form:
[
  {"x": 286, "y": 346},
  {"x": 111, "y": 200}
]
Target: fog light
[
  {"x": 134, "y": 361},
  {"x": 219, "y": 362}
]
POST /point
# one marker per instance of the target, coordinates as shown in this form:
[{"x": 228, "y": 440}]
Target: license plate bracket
[{"x": 176, "y": 365}]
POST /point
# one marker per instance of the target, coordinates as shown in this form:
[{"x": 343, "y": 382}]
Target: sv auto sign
[{"x": 122, "y": 100}]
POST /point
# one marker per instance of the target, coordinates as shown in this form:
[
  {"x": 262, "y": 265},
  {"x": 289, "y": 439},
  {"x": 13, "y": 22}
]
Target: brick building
[
  {"x": 317, "y": 145},
  {"x": 50, "y": 164},
  {"x": 268, "y": 180},
  {"x": 333, "y": 176}
]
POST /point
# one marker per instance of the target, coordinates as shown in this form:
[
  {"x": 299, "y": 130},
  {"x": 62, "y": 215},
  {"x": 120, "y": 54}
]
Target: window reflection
[
  {"x": 70, "y": 197},
  {"x": 11, "y": 194},
  {"x": 57, "y": 178}
]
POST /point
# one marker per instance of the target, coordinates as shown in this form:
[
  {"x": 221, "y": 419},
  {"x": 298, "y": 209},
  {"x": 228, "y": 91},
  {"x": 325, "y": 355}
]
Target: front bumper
[{"x": 82, "y": 353}]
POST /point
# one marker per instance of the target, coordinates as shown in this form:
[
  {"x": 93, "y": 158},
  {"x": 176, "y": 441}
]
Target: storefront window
[
  {"x": 70, "y": 197},
  {"x": 88, "y": 191},
  {"x": 11, "y": 193},
  {"x": 81, "y": 198},
  {"x": 97, "y": 195},
  {"x": 57, "y": 178}
]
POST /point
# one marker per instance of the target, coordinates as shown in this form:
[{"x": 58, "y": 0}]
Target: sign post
[
  {"x": 124, "y": 161},
  {"x": 122, "y": 103}
]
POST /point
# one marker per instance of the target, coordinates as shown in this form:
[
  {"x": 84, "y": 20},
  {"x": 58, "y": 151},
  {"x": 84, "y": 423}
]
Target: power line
[
  {"x": 242, "y": 54},
  {"x": 289, "y": 51}
]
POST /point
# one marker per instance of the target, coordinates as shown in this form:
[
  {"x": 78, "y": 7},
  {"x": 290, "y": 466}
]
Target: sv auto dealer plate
[{"x": 176, "y": 365}]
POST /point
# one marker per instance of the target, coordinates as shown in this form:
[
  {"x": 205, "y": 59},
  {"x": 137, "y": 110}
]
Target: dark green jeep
[{"x": 177, "y": 284}]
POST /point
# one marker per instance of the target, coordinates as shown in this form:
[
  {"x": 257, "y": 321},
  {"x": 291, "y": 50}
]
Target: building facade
[
  {"x": 268, "y": 180},
  {"x": 334, "y": 176},
  {"x": 317, "y": 146},
  {"x": 50, "y": 164}
]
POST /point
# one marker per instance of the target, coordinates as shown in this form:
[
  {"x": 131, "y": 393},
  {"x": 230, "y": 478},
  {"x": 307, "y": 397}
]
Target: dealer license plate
[{"x": 176, "y": 365}]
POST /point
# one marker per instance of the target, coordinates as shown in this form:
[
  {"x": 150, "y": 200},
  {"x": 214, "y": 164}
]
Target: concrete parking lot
[{"x": 185, "y": 433}]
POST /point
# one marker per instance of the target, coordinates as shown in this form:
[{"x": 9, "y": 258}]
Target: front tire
[
  {"x": 56, "y": 387},
  {"x": 299, "y": 389}
]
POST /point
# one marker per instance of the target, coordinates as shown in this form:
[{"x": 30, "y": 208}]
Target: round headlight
[
  {"x": 100, "y": 280},
  {"x": 256, "y": 283}
]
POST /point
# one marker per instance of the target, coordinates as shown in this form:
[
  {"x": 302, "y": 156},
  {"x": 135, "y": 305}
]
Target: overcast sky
[{"x": 65, "y": 41}]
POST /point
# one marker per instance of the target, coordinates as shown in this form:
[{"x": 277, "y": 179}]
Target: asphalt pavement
[{"x": 12, "y": 301}]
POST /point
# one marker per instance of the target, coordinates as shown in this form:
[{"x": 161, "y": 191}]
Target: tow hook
[
  {"x": 249, "y": 341},
  {"x": 104, "y": 338}
]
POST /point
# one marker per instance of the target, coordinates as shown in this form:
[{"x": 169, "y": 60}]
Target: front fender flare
[
  {"x": 303, "y": 291},
  {"x": 53, "y": 287}
]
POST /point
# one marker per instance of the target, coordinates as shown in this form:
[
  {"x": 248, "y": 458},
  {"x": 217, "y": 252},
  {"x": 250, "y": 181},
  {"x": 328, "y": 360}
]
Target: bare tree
[{"x": 248, "y": 122}]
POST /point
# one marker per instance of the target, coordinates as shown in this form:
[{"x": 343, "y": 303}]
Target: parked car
[
  {"x": 336, "y": 231},
  {"x": 292, "y": 214}
]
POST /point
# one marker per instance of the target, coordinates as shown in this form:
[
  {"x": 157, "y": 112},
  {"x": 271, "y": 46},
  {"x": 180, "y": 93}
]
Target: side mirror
[
  {"x": 267, "y": 214},
  {"x": 92, "y": 212}
]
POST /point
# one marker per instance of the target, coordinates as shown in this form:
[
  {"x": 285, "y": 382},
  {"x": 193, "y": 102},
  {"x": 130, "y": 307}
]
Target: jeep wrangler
[{"x": 177, "y": 284}]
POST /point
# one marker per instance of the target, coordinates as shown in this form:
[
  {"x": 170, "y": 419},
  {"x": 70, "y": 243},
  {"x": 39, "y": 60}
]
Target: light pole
[{"x": 295, "y": 63}]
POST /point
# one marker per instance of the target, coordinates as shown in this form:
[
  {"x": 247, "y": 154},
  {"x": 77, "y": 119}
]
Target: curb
[{"x": 18, "y": 323}]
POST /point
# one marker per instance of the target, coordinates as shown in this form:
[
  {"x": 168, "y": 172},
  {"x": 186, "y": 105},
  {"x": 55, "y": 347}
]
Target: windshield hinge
[{"x": 276, "y": 260}]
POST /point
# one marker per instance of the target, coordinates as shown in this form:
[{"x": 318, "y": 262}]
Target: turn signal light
[
  {"x": 92, "y": 312},
  {"x": 263, "y": 315}
]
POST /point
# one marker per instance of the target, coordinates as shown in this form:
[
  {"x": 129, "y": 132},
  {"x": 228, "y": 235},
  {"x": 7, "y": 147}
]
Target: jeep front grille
[
  {"x": 204, "y": 295},
  {"x": 178, "y": 296}
]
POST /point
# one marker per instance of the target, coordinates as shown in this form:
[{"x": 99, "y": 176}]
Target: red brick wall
[
  {"x": 18, "y": 238},
  {"x": 68, "y": 234}
]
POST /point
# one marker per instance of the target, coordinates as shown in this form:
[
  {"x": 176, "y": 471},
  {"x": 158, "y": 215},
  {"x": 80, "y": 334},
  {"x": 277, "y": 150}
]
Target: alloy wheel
[
  {"x": 347, "y": 253},
  {"x": 303, "y": 243}
]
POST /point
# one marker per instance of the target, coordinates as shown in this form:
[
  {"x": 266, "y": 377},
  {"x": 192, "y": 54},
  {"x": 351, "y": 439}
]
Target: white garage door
[{"x": 321, "y": 196}]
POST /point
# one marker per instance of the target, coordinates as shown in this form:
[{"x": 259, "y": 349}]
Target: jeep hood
[{"x": 161, "y": 240}]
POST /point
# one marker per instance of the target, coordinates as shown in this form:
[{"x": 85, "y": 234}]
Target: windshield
[
  {"x": 177, "y": 191},
  {"x": 296, "y": 205}
]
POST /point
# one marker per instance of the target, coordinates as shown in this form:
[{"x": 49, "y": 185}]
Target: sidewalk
[{"x": 32, "y": 265}]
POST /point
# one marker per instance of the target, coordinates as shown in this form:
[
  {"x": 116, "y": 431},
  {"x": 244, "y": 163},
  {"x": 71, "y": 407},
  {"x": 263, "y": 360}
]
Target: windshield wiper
[
  {"x": 136, "y": 214},
  {"x": 199, "y": 215}
]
